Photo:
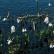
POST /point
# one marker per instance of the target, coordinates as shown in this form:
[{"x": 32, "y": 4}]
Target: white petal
[
  {"x": 24, "y": 30},
  {"x": 38, "y": 14},
  {"x": 46, "y": 20},
  {"x": 12, "y": 29},
  {"x": 18, "y": 20},
  {"x": 49, "y": 4},
  {"x": 50, "y": 24},
  {"x": 4, "y": 19},
  {"x": 9, "y": 41}
]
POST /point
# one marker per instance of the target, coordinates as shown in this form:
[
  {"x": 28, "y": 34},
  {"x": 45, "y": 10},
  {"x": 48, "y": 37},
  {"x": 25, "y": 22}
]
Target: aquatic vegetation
[
  {"x": 51, "y": 45},
  {"x": 49, "y": 4},
  {"x": 14, "y": 45},
  {"x": 28, "y": 32},
  {"x": 9, "y": 41},
  {"x": 26, "y": 37}
]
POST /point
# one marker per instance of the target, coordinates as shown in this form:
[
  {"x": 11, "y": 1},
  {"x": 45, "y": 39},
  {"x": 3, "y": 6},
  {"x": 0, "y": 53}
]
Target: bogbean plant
[
  {"x": 14, "y": 45},
  {"x": 45, "y": 32}
]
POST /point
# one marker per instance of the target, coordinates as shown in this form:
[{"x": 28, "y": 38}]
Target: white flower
[
  {"x": 51, "y": 45},
  {"x": 12, "y": 29},
  {"x": 46, "y": 20},
  {"x": 9, "y": 42},
  {"x": 24, "y": 30},
  {"x": 4, "y": 19},
  {"x": 50, "y": 24},
  {"x": 49, "y": 4},
  {"x": 18, "y": 20}
]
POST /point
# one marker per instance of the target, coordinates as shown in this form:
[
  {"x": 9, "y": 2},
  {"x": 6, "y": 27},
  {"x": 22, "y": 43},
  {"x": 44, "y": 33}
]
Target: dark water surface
[{"x": 22, "y": 7}]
